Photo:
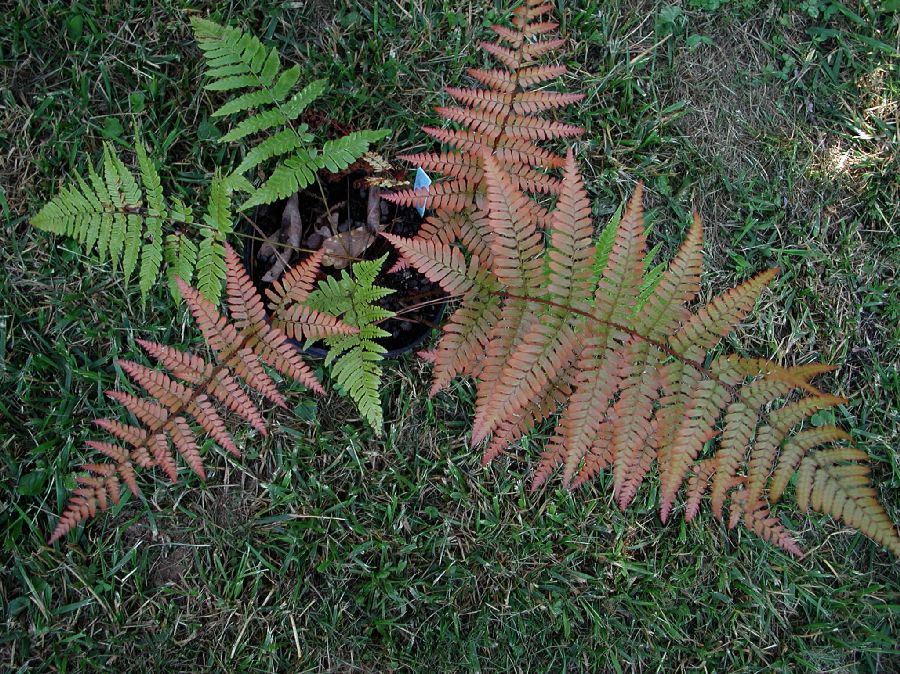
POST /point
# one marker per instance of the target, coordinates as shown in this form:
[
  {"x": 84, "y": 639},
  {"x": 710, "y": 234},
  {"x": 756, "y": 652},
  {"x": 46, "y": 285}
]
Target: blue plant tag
[{"x": 422, "y": 180}]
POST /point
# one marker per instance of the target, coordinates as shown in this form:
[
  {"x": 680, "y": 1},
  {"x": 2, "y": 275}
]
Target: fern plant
[
  {"x": 637, "y": 380},
  {"x": 195, "y": 389},
  {"x": 239, "y": 62}
]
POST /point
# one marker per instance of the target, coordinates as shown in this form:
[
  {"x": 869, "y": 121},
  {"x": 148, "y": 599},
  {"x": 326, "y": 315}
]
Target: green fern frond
[
  {"x": 281, "y": 143},
  {"x": 355, "y": 359},
  {"x": 106, "y": 213},
  {"x": 211, "y": 270},
  {"x": 260, "y": 97},
  {"x": 238, "y": 60},
  {"x": 125, "y": 217},
  {"x": 152, "y": 241},
  {"x": 299, "y": 171}
]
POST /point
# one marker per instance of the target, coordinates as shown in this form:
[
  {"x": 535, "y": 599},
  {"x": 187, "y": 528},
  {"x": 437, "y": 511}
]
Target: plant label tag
[{"x": 422, "y": 180}]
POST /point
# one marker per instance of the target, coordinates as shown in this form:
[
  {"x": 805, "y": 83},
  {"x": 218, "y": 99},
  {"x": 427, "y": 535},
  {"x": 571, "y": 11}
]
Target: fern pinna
[
  {"x": 238, "y": 61},
  {"x": 242, "y": 345},
  {"x": 502, "y": 118},
  {"x": 127, "y": 218},
  {"x": 554, "y": 320}
]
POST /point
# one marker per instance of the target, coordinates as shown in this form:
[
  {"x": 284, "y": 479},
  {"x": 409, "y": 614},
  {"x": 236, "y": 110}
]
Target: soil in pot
[{"x": 418, "y": 302}]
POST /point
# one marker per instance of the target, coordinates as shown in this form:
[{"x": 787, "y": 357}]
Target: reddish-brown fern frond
[
  {"x": 500, "y": 120},
  {"x": 241, "y": 344},
  {"x": 630, "y": 366}
]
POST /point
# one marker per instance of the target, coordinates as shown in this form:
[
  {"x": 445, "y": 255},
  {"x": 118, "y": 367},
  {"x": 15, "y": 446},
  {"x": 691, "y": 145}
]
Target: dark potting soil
[{"x": 412, "y": 289}]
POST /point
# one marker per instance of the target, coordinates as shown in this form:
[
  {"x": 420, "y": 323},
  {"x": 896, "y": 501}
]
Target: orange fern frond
[
  {"x": 759, "y": 520},
  {"x": 510, "y": 151},
  {"x": 533, "y": 50},
  {"x": 511, "y": 429},
  {"x": 467, "y": 167},
  {"x": 289, "y": 314},
  {"x": 551, "y": 319},
  {"x": 696, "y": 487},
  {"x": 493, "y": 125},
  {"x": 442, "y": 227},
  {"x": 501, "y": 119},
  {"x": 770, "y": 436},
  {"x": 538, "y": 101},
  {"x": 715, "y": 320},
  {"x": 241, "y": 343},
  {"x": 545, "y": 346},
  {"x": 296, "y": 285},
  {"x": 439, "y": 263},
  {"x": 495, "y": 102}
]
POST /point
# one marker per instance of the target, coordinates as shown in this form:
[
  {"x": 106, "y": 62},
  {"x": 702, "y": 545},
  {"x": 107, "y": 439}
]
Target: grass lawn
[{"x": 327, "y": 549}]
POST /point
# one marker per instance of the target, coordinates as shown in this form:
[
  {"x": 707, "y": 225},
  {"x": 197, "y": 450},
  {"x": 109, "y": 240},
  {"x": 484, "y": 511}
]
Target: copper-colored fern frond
[
  {"x": 500, "y": 119},
  {"x": 556, "y": 321},
  {"x": 193, "y": 387}
]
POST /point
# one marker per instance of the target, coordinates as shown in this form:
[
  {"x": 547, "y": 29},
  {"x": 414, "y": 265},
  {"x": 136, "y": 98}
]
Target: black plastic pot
[{"x": 397, "y": 344}]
